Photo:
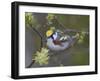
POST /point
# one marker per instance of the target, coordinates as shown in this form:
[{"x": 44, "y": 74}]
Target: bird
[{"x": 58, "y": 41}]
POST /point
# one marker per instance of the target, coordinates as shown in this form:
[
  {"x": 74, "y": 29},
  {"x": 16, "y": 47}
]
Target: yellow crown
[{"x": 49, "y": 33}]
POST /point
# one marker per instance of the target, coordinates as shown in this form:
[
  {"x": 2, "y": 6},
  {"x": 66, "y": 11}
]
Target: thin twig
[
  {"x": 33, "y": 29},
  {"x": 69, "y": 30}
]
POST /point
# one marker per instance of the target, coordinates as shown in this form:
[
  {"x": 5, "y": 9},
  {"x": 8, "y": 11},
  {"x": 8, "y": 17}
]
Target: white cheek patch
[{"x": 55, "y": 35}]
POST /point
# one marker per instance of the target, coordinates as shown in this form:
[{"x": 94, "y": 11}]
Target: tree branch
[{"x": 69, "y": 30}]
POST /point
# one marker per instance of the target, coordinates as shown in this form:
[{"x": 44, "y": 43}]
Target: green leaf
[
  {"x": 41, "y": 57},
  {"x": 30, "y": 20}
]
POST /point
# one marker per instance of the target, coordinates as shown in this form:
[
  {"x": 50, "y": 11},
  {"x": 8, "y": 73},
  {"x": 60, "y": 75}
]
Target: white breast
[{"x": 54, "y": 47}]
